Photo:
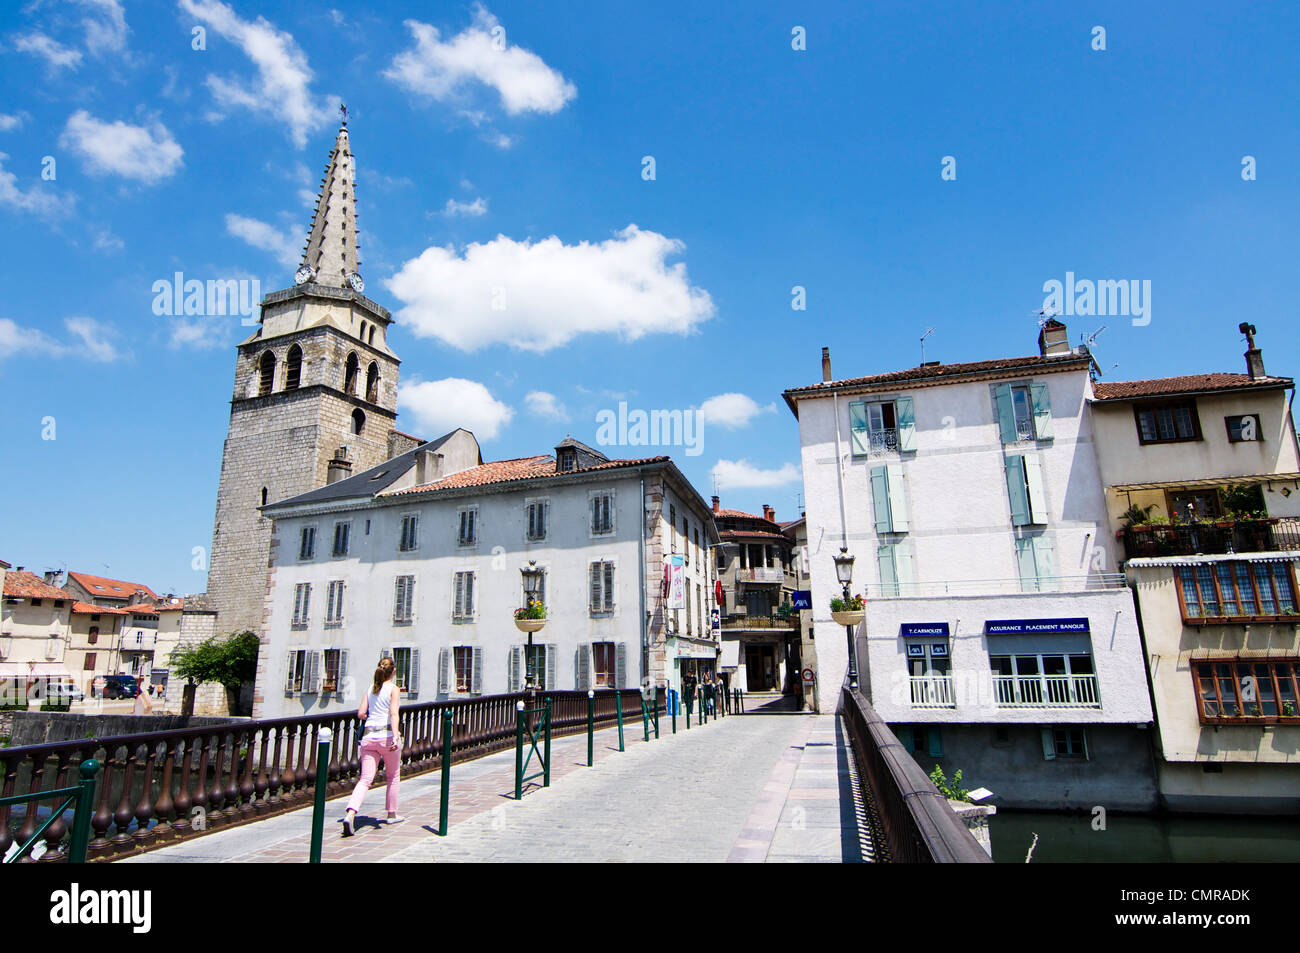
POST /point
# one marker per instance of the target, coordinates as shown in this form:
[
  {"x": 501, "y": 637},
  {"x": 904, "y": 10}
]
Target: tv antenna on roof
[
  {"x": 927, "y": 333},
  {"x": 1044, "y": 315},
  {"x": 1090, "y": 339}
]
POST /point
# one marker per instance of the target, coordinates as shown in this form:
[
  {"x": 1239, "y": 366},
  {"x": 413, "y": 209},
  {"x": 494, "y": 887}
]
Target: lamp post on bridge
[
  {"x": 530, "y": 619},
  {"x": 848, "y": 617}
]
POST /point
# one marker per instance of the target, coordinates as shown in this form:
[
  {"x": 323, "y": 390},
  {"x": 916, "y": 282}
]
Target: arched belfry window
[
  {"x": 371, "y": 339},
  {"x": 363, "y": 332},
  {"x": 350, "y": 374},
  {"x": 266, "y": 373},
  {"x": 358, "y": 421},
  {"x": 264, "y": 496},
  {"x": 293, "y": 368},
  {"x": 372, "y": 383}
]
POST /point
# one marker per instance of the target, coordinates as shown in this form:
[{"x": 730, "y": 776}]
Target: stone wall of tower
[{"x": 284, "y": 441}]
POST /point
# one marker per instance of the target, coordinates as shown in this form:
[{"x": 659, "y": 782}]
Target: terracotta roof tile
[
  {"x": 938, "y": 372},
  {"x": 1189, "y": 384},
  {"x": 750, "y": 534},
  {"x": 87, "y": 608},
  {"x": 28, "y": 585},
  {"x": 107, "y": 588},
  {"x": 508, "y": 471}
]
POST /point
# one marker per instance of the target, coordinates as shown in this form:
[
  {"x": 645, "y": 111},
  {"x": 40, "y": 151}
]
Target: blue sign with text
[
  {"x": 801, "y": 598},
  {"x": 1034, "y": 626},
  {"x": 929, "y": 630}
]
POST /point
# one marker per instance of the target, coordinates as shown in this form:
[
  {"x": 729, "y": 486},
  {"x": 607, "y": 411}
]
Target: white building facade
[
  {"x": 999, "y": 638},
  {"x": 420, "y": 558}
]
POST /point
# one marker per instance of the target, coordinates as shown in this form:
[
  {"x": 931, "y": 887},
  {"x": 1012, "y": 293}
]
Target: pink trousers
[{"x": 371, "y": 753}]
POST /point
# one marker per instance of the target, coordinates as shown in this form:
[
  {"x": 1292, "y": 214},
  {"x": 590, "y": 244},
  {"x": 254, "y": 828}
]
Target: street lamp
[
  {"x": 844, "y": 573},
  {"x": 532, "y": 586}
]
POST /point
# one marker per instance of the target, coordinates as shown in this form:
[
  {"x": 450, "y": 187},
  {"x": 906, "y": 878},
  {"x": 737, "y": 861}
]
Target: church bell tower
[{"x": 315, "y": 397}]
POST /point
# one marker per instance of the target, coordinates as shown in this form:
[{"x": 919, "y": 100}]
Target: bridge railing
[
  {"x": 915, "y": 823},
  {"x": 161, "y": 787}
]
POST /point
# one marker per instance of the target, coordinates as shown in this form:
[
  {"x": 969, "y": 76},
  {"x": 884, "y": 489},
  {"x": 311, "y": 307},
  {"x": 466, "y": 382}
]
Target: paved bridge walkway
[{"x": 753, "y": 788}]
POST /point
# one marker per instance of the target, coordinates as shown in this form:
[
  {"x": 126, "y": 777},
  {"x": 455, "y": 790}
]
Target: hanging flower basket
[
  {"x": 849, "y": 616},
  {"x": 530, "y": 618},
  {"x": 529, "y": 625}
]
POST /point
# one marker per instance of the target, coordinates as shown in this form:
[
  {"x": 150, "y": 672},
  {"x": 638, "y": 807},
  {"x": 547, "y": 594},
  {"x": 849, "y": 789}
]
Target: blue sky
[{"x": 510, "y": 137}]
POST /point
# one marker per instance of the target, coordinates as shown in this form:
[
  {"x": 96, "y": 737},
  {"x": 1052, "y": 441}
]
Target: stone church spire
[{"x": 332, "y": 253}]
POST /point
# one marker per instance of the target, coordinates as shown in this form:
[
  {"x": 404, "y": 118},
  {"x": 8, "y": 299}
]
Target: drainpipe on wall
[{"x": 645, "y": 623}]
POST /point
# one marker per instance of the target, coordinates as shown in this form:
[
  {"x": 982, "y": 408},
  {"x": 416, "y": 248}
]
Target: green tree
[{"x": 230, "y": 662}]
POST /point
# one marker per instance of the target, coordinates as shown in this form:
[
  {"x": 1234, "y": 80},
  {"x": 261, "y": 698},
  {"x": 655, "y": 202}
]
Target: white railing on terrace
[
  {"x": 932, "y": 691},
  {"x": 995, "y": 587},
  {"x": 1045, "y": 691},
  {"x": 137, "y": 642}
]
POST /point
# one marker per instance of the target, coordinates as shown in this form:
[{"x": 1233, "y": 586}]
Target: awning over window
[{"x": 1263, "y": 478}]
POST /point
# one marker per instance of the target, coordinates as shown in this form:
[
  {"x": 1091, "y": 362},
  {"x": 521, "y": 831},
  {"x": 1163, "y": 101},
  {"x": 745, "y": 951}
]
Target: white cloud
[
  {"x": 15, "y": 339},
  {"x": 480, "y": 54},
  {"x": 56, "y": 55},
  {"x": 90, "y": 338},
  {"x": 105, "y": 26},
  {"x": 283, "y": 83},
  {"x": 93, "y": 337},
  {"x": 39, "y": 200},
  {"x": 742, "y": 475},
  {"x": 546, "y": 406},
  {"x": 472, "y": 209},
  {"x": 540, "y": 295},
  {"x": 118, "y": 148},
  {"x": 732, "y": 411},
  {"x": 286, "y": 249},
  {"x": 441, "y": 406},
  {"x": 9, "y": 123},
  {"x": 498, "y": 139},
  {"x": 106, "y": 241}
]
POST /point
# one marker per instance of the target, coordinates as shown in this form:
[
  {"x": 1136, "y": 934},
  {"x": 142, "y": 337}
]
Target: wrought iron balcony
[
  {"x": 882, "y": 441},
  {"x": 1211, "y": 537},
  {"x": 773, "y": 621}
]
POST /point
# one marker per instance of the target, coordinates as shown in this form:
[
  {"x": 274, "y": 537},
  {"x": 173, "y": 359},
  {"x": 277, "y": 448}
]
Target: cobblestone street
[{"x": 742, "y": 789}]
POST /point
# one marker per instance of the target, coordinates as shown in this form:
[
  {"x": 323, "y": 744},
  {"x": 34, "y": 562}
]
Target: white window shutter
[
  {"x": 469, "y": 594},
  {"x": 288, "y": 680},
  {"x": 476, "y": 676},
  {"x": 609, "y": 587},
  {"x": 1034, "y": 482},
  {"x": 444, "y": 663},
  {"x": 906, "y": 424},
  {"x": 620, "y": 665},
  {"x": 903, "y": 567},
  {"x": 343, "y": 668},
  {"x": 550, "y": 667},
  {"x": 595, "y": 587},
  {"x": 458, "y": 604},
  {"x": 897, "y": 498},
  {"x": 584, "y": 667},
  {"x": 306, "y": 602},
  {"x": 1042, "y": 410},
  {"x": 413, "y": 683},
  {"x": 313, "y": 679},
  {"x": 880, "y": 499},
  {"x": 1044, "y": 562},
  {"x": 1049, "y": 745},
  {"x": 514, "y": 682}
]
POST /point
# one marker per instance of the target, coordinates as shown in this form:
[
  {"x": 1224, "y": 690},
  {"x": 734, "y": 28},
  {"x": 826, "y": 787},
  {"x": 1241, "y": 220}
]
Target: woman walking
[{"x": 381, "y": 739}]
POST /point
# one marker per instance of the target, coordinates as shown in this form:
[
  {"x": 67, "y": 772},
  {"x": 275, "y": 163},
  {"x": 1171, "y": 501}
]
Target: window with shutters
[
  {"x": 93, "y": 635},
  {"x": 603, "y": 665},
  {"x": 296, "y": 682},
  {"x": 467, "y": 533},
  {"x": 889, "y": 499},
  {"x": 1065, "y": 743},
  {"x": 601, "y": 579},
  {"x": 401, "y": 667},
  {"x": 334, "y": 604},
  {"x": 301, "y": 604},
  {"x": 1036, "y": 560},
  {"x": 342, "y": 531},
  {"x": 687, "y": 600},
  {"x": 1024, "y": 473},
  {"x": 463, "y": 597},
  {"x": 536, "y": 658},
  {"x": 1024, "y": 411},
  {"x": 535, "y": 514},
  {"x": 333, "y": 670},
  {"x": 404, "y": 600},
  {"x": 602, "y": 513},
  {"x": 877, "y": 428},
  {"x": 1237, "y": 591},
  {"x": 463, "y": 660},
  {"x": 307, "y": 543},
  {"x": 410, "y": 538},
  {"x": 1172, "y": 422},
  {"x": 894, "y": 562},
  {"x": 88, "y": 665}
]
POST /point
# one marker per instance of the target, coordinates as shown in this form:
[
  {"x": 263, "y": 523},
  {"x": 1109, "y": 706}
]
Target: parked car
[
  {"x": 115, "y": 686},
  {"x": 63, "y": 693}
]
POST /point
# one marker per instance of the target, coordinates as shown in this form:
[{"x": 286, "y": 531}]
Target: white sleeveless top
[{"x": 379, "y": 708}]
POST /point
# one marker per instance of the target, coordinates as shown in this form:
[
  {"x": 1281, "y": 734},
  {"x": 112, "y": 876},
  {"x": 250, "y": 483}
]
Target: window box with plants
[
  {"x": 849, "y": 611},
  {"x": 530, "y": 618}
]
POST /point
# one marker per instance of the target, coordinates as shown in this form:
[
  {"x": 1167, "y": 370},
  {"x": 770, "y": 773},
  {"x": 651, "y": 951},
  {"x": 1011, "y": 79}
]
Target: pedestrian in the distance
[{"x": 381, "y": 739}]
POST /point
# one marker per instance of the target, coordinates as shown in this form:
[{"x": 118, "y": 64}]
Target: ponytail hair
[{"x": 383, "y": 672}]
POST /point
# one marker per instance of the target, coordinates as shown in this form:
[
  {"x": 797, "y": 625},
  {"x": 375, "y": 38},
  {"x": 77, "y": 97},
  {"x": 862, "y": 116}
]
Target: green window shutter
[
  {"x": 935, "y": 738},
  {"x": 906, "y": 424},
  {"x": 880, "y": 499},
  {"x": 1049, "y": 745},
  {"x": 1006, "y": 414},
  {"x": 1017, "y": 491},
  {"x": 858, "y": 427},
  {"x": 903, "y": 567},
  {"x": 1042, "y": 411},
  {"x": 1028, "y": 566},
  {"x": 907, "y": 736},
  {"x": 1034, "y": 486},
  {"x": 1044, "y": 562},
  {"x": 888, "y": 577},
  {"x": 897, "y": 498}
]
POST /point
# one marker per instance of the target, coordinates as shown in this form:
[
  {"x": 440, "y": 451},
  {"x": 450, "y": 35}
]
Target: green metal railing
[
  {"x": 80, "y": 797},
  {"x": 539, "y": 734}
]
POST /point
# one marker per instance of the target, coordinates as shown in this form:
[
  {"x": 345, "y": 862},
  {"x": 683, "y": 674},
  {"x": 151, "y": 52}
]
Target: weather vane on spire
[{"x": 343, "y": 109}]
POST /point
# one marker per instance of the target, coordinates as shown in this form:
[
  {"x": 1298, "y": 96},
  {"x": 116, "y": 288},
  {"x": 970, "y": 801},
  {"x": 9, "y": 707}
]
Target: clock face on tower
[
  {"x": 304, "y": 274},
  {"x": 355, "y": 281}
]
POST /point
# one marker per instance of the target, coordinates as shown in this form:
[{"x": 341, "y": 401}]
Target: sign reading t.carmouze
[
  {"x": 932, "y": 630},
  {"x": 1035, "y": 626}
]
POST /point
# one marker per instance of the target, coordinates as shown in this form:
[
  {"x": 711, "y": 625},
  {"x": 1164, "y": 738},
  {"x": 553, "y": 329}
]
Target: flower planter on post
[
  {"x": 529, "y": 625},
  {"x": 849, "y": 616}
]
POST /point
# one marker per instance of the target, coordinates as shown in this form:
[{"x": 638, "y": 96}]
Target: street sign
[
  {"x": 807, "y": 675},
  {"x": 801, "y": 598}
]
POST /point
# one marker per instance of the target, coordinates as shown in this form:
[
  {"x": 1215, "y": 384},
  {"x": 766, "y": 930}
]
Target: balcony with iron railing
[
  {"x": 773, "y": 621},
  {"x": 1211, "y": 537},
  {"x": 1046, "y": 691},
  {"x": 882, "y": 441},
  {"x": 1089, "y": 582}
]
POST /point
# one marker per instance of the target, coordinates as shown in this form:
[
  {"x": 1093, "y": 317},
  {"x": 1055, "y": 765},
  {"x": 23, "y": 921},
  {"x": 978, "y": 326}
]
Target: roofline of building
[{"x": 1279, "y": 383}]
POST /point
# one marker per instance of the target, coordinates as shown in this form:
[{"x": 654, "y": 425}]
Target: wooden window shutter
[
  {"x": 550, "y": 667},
  {"x": 413, "y": 682},
  {"x": 1006, "y": 413},
  {"x": 1044, "y": 562},
  {"x": 897, "y": 498},
  {"x": 1017, "y": 490},
  {"x": 288, "y": 681},
  {"x": 1027, "y": 565},
  {"x": 620, "y": 665},
  {"x": 1049, "y": 745},
  {"x": 469, "y": 594},
  {"x": 458, "y": 609},
  {"x": 313, "y": 679},
  {"x": 341, "y": 687},
  {"x": 514, "y": 679},
  {"x": 595, "y": 587},
  {"x": 903, "y": 574},
  {"x": 444, "y": 683},
  {"x": 858, "y": 431},
  {"x": 880, "y": 499},
  {"x": 1042, "y": 410},
  {"x": 583, "y": 666},
  {"x": 1034, "y": 486},
  {"x": 906, "y": 424},
  {"x": 934, "y": 739},
  {"x": 888, "y": 577},
  {"x": 609, "y": 587},
  {"x": 476, "y": 676}
]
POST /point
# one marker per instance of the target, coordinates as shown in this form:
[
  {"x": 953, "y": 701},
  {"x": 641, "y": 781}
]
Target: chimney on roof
[
  {"x": 50, "y": 576},
  {"x": 340, "y": 468},
  {"x": 1254, "y": 356},
  {"x": 826, "y": 364},
  {"x": 1053, "y": 338},
  {"x": 769, "y": 513},
  {"x": 428, "y": 466},
  {"x": 716, "y": 508}
]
